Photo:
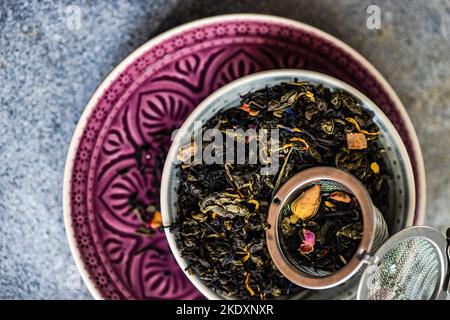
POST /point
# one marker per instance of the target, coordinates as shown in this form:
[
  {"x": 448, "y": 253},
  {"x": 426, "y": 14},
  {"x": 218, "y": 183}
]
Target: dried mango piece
[
  {"x": 356, "y": 141},
  {"x": 247, "y": 285},
  {"x": 340, "y": 196},
  {"x": 307, "y": 204}
]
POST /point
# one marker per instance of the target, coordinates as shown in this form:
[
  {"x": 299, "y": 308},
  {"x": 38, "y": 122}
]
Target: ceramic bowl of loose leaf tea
[{"x": 241, "y": 145}]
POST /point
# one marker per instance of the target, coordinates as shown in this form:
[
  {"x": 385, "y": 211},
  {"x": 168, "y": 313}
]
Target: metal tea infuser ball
[{"x": 411, "y": 265}]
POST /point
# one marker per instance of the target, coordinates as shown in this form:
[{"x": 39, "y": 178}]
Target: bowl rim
[
  {"x": 123, "y": 65},
  {"x": 298, "y": 73}
]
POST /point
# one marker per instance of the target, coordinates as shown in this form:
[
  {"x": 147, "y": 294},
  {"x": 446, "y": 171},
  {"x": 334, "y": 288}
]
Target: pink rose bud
[{"x": 309, "y": 239}]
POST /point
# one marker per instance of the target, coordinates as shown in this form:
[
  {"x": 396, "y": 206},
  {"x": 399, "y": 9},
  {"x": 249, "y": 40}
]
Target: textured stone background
[{"x": 48, "y": 72}]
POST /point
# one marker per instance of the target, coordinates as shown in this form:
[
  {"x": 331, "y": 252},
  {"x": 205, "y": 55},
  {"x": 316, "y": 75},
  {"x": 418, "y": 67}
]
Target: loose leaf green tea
[
  {"x": 222, "y": 208},
  {"x": 327, "y": 240}
]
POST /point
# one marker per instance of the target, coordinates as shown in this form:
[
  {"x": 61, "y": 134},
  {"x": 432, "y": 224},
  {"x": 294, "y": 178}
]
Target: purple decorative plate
[{"x": 121, "y": 140}]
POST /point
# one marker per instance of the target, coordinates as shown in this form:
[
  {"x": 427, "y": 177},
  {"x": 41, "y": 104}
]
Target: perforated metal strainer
[{"x": 411, "y": 265}]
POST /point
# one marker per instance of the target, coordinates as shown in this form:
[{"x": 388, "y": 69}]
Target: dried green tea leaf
[
  {"x": 375, "y": 167},
  {"x": 247, "y": 109}
]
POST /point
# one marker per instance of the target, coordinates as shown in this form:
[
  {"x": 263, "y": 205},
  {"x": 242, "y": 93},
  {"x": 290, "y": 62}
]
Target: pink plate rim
[{"x": 419, "y": 169}]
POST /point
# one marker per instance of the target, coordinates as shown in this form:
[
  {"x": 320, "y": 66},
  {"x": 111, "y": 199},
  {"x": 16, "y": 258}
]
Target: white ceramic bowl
[{"x": 402, "y": 197}]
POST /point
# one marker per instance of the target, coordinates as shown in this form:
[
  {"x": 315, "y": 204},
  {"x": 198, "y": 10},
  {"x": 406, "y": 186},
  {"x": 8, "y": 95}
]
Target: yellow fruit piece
[
  {"x": 306, "y": 206},
  {"x": 375, "y": 167}
]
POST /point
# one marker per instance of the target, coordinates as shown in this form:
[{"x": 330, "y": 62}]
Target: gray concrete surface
[{"x": 48, "y": 72}]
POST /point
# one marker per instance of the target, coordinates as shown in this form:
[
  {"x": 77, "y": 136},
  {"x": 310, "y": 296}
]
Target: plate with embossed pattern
[{"x": 117, "y": 152}]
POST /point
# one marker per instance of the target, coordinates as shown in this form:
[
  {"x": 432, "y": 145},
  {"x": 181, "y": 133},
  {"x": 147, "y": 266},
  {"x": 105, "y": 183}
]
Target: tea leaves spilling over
[
  {"x": 222, "y": 208},
  {"x": 321, "y": 230}
]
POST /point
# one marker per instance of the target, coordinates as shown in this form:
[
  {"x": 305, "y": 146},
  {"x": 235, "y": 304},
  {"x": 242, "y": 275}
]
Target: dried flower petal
[
  {"x": 306, "y": 248},
  {"x": 329, "y": 204},
  {"x": 307, "y": 205},
  {"x": 356, "y": 141},
  {"x": 309, "y": 239},
  {"x": 156, "y": 221},
  {"x": 340, "y": 196},
  {"x": 297, "y": 139},
  {"x": 246, "y": 257},
  {"x": 358, "y": 127},
  {"x": 375, "y": 167},
  {"x": 278, "y": 113},
  {"x": 247, "y": 109}
]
